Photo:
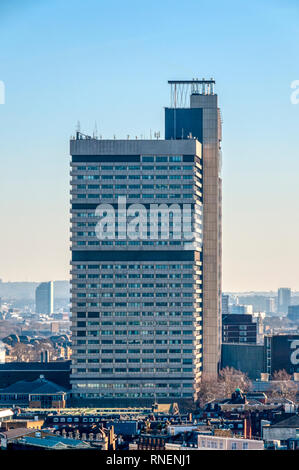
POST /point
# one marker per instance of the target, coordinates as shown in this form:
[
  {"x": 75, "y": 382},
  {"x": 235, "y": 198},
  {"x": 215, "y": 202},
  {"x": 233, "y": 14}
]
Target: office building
[
  {"x": 44, "y": 298},
  {"x": 241, "y": 309},
  {"x": 225, "y": 304},
  {"x": 239, "y": 329},
  {"x": 146, "y": 308},
  {"x": 2, "y": 353},
  {"x": 293, "y": 313},
  {"x": 281, "y": 352},
  {"x": 246, "y": 357},
  {"x": 283, "y": 299}
]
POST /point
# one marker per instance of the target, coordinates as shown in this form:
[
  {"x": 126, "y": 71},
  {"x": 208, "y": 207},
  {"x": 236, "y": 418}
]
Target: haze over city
[{"x": 115, "y": 73}]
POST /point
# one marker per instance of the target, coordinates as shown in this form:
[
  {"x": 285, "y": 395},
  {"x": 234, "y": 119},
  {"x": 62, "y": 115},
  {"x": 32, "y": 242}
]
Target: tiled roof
[
  {"x": 292, "y": 422},
  {"x": 55, "y": 442},
  {"x": 18, "y": 432}
]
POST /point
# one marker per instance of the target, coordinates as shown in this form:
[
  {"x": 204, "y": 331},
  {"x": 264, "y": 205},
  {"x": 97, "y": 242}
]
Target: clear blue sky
[{"x": 69, "y": 60}]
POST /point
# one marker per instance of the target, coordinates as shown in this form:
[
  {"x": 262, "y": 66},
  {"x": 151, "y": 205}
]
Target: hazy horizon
[{"x": 109, "y": 63}]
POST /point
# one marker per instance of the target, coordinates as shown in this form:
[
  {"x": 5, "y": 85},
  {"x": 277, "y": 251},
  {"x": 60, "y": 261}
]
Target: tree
[
  {"x": 230, "y": 379},
  {"x": 283, "y": 386},
  {"x": 20, "y": 351},
  {"x": 209, "y": 389},
  {"x": 217, "y": 388}
]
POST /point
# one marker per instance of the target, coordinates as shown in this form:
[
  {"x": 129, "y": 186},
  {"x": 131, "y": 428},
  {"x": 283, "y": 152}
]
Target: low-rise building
[
  {"x": 282, "y": 431},
  {"x": 212, "y": 442},
  {"x": 40, "y": 393}
]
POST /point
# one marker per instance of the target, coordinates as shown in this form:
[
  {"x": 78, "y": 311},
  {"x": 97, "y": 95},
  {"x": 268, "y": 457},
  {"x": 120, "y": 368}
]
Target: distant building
[
  {"x": 55, "y": 327},
  {"x": 283, "y": 299},
  {"x": 283, "y": 431},
  {"x": 270, "y": 305},
  {"x": 238, "y": 329},
  {"x": 281, "y": 352},
  {"x": 2, "y": 353},
  {"x": 258, "y": 302},
  {"x": 225, "y": 302},
  {"x": 248, "y": 358},
  {"x": 44, "y": 298},
  {"x": 293, "y": 313},
  {"x": 213, "y": 442},
  {"x": 241, "y": 309}
]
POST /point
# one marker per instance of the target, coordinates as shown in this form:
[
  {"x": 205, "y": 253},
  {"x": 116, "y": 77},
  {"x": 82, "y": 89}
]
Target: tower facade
[
  {"x": 201, "y": 119},
  {"x": 138, "y": 289},
  {"x": 283, "y": 299},
  {"x": 44, "y": 298}
]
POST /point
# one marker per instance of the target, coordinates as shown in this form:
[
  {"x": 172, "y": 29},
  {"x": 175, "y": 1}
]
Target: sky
[{"x": 109, "y": 62}]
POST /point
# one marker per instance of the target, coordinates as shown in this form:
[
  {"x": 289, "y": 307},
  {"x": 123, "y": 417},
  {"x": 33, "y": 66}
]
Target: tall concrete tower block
[{"x": 202, "y": 121}]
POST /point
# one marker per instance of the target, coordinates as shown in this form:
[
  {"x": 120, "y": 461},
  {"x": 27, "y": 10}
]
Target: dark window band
[
  {"x": 105, "y": 158},
  {"x": 131, "y": 378},
  {"x": 133, "y": 255}
]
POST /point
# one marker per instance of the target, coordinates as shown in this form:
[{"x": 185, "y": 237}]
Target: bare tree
[
  {"x": 21, "y": 352},
  {"x": 283, "y": 386},
  {"x": 230, "y": 379},
  {"x": 217, "y": 388},
  {"x": 209, "y": 389}
]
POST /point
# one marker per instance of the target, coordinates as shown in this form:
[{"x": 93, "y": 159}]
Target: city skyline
[{"x": 253, "y": 80}]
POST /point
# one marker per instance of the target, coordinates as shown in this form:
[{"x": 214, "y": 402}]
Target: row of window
[
  {"x": 112, "y": 177},
  {"x": 133, "y": 385},
  {"x": 86, "y": 215},
  {"x": 133, "y": 196},
  {"x": 83, "y": 333},
  {"x": 83, "y": 324},
  {"x": 134, "y": 266},
  {"x": 150, "y": 158},
  {"x": 129, "y": 243},
  {"x": 106, "y": 294},
  {"x": 140, "y": 167},
  {"x": 135, "y": 186},
  {"x": 129, "y": 314},
  {"x": 132, "y": 285},
  {"x": 134, "y": 342},
  {"x": 134, "y": 360},
  {"x": 142, "y": 278},
  {"x": 112, "y": 370},
  {"x": 136, "y": 304},
  {"x": 135, "y": 351},
  {"x": 136, "y": 395}
]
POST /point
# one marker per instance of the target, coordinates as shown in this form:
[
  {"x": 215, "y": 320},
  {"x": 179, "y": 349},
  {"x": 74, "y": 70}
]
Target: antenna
[{"x": 95, "y": 131}]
